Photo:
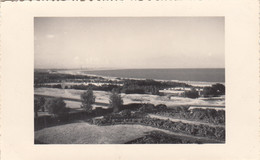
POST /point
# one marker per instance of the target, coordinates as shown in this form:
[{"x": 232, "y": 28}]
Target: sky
[{"x": 129, "y": 42}]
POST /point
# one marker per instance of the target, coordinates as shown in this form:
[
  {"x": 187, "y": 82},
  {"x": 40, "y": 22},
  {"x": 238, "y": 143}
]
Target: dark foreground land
[
  {"x": 204, "y": 125},
  {"x": 132, "y": 123}
]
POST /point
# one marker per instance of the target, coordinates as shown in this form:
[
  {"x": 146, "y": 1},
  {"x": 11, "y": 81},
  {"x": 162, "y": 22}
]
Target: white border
[{"x": 242, "y": 80}]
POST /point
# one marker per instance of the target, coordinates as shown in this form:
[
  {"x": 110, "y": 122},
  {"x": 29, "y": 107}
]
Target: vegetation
[
  {"x": 38, "y": 104},
  {"x": 196, "y": 114},
  {"x": 128, "y": 86},
  {"x": 214, "y": 90},
  {"x": 219, "y": 88},
  {"x": 88, "y": 99},
  {"x": 131, "y": 113},
  {"x": 115, "y": 101},
  {"x": 191, "y": 94},
  {"x": 185, "y": 128},
  {"x": 148, "y": 86},
  {"x": 46, "y": 77},
  {"x": 56, "y": 106}
]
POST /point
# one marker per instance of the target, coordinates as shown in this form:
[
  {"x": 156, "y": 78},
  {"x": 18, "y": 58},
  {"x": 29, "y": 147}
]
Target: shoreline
[{"x": 193, "y": 83}]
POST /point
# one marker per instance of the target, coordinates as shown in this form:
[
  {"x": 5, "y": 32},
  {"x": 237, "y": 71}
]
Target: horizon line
[{"x": 111, "y": 68}]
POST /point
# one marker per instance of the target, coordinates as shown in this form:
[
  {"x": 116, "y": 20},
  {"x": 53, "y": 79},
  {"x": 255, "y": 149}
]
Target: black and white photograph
[{"x": 129, "y": 80}]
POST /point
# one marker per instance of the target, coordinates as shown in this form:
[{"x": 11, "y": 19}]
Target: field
[{"x": 103, "y": 97}]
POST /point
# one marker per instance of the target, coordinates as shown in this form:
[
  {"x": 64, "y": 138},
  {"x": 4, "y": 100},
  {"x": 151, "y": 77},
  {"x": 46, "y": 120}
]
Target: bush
[
  {"x": 161, "y": 107},
  {"x": 88, "y": 99},
  {"x": 214, "y": 90},
  {"x": 132, "y": 106},
  {"x": 220, "y": 88},
  {"x": 147, "y": 108},
  {"x": 56, "y": 106},
  {"x": 125, "y": 113},
  {"x": 180, "y": 127},
  {"x": 191, "y": 94}
]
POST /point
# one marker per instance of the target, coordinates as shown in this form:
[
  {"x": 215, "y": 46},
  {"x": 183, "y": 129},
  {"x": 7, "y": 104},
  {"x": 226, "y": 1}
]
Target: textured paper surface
[{"x": 241, "y": 67}]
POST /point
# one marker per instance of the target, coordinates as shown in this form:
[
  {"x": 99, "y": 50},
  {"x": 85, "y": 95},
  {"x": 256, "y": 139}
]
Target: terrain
[{"x": 152, "y": 111}]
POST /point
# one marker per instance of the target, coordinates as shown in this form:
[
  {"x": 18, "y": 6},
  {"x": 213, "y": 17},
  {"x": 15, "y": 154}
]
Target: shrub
[
  {"x": 88, "y": 99},
  {"x": 125, "y": 113},
  {"x": 147, "y": 108},
  {"x": 191, "y": 94},
  {"x": 132, "y": 106},
  {"x": 214, "y": 90},
  {"x": 220, "y": 88},
  {"x": 161, "y": 107},
  {"x": 56, "y": 106}
]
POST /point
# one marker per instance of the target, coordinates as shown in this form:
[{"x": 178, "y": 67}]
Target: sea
[{"x": 187, "y": 74}]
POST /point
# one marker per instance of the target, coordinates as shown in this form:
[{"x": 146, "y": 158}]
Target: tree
[
  {"x": 214, "y": 90},
  {"x": 115, "y": 101},
  {"x": 38, "y": 104},
  {"x": 209, "y": 92},
  {"x": 56, "y": 106},
  {"x": 219, "y": 88},
  {"x": 191, "y": 94},
  {"x": 88, "y": 99}
]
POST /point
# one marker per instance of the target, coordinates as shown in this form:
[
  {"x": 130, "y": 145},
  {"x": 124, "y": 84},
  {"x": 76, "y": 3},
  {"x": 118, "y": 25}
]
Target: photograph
[{"x": 129, "y": 80}]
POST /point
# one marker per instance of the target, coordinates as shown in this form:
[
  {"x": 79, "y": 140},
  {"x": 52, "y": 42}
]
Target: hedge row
[
  {"x": 191, "y": 129},
  {"x": 197, "y": 114}
]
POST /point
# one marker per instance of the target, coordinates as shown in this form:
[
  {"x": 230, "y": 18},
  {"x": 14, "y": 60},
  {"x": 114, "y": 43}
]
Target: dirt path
[{"x": 183, "y": 120}]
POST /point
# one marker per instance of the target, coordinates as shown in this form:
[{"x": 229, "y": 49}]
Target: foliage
[
  {"x": 196, "y": 114},
  {"x": 209, "y": 92},
  {"x": 56, "y": 106},
  {"x": 161, "y": 107},
  {"x": 125, "y": 113},
  {"x": 214, "y": 90},
  {"x": 132, "y": 106},
  {"x": 148, "y": 86},
  {"x": 87, "y": 99},
  {"x": 219, "y": 88},
  {"x": 115, "y": 101},
  {"x": 191, "y": 94},
  {"x": 38, "y": 104},
  {"x": 186, "y": 128},
  {"x": 147, "y": 108}
]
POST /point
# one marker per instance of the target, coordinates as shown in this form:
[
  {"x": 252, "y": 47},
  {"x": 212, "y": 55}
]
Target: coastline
[{"x": 193, "y": 83}]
